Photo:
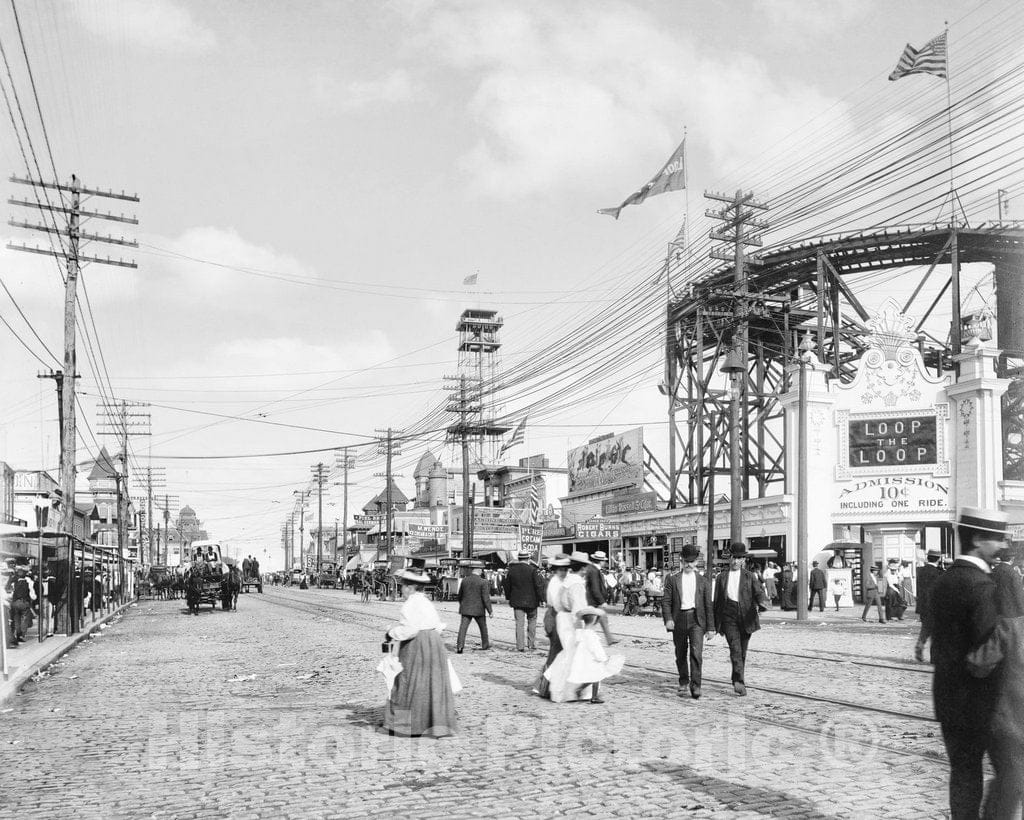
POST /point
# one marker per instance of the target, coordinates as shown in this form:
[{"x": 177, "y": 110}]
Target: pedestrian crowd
[{"x": 972, "y": 614}]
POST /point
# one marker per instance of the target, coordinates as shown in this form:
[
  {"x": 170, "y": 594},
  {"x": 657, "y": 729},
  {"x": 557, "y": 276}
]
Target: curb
[{"x": 11, "y": 687}]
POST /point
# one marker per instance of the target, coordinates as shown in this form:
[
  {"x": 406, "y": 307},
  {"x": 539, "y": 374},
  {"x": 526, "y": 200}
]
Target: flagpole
[{"x": 949, "y": 126}]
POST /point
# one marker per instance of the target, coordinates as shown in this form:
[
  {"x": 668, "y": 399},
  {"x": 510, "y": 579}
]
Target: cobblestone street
[{"x": 272, "y": 711}]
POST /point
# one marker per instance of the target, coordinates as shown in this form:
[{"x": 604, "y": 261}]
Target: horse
[
  {"x": 230, "y": 586},
  {"x": 160, "y": 579},
  {"x": 193, "y": 589},
  {"x": 178, "y": 584}
]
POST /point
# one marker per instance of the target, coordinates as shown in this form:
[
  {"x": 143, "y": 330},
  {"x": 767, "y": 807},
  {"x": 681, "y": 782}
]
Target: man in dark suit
[
  {"x": 597, "y": 593},
  {"x": 818, "y": 583},
  {"x": 688, "y": 614},
  {"x": 474, "y": 605},
  {"x": 926, "y": 578},
  {"x": 524, "y": 589},
  {"x": 962, "y": 606},
  {"x": 739, "y": 596}
]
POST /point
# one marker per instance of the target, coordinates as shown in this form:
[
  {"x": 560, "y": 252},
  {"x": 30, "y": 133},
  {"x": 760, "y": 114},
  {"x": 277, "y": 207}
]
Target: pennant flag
[
  {"x": 518, "y": 437},
  {"x": 672, "y": 177},
  {"x": 534, "y": 503},
  {"x": 930, "y": 59},
  {"x": 470, "y": 280}
]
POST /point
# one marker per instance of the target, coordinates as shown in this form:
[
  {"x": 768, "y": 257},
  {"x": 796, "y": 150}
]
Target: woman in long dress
[
  {"x": 572, "y": 605},
  {"x": 422, "y": 701}
]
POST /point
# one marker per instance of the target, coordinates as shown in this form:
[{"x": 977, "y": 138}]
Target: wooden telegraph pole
[
  {"x": 319, "y": 476},
  {"x": 346, "y": 462},
  {"x": 738, "y": 231},
  {"x": 388, "y": 448},
  {"x": 121, "y": 419},
  {"x": 62, "y": 219}
]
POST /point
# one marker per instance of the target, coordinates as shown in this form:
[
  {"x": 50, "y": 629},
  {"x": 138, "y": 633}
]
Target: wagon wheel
[
  {"x": 632, "y": 605},
  {"x": 392, "y": 591}
]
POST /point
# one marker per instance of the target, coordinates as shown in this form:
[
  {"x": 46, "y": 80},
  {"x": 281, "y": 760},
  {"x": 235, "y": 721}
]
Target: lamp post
[{"x": 806, "y": 348}]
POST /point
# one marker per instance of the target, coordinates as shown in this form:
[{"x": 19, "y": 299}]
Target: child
[
  {"x": 838, "y": 590},
  {"x": 590, "y": 663}
]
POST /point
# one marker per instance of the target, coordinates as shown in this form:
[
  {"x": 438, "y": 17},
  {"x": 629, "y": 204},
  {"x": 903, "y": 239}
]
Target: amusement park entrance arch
[{"x": 807, "y": 289}]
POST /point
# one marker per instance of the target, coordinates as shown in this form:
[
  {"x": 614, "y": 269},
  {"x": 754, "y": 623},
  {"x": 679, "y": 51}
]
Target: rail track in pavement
[{"x": 795, "y": 717}]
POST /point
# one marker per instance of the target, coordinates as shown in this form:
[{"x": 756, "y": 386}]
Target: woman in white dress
[
  {"x": 571, "y": 606},
  {"x": 422, "y": 701}
]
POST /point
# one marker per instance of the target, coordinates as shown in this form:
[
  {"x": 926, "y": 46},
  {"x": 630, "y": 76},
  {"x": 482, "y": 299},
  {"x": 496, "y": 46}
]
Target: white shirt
[
  {"x": 416, "y": 614},
  {"x": 980, "y": 563},
  {"x": 732, "y": 588},
  {"x": 554, "y": 591},
  {"x": 688, "y": 582},
  {"x": 574, "y": 594}
]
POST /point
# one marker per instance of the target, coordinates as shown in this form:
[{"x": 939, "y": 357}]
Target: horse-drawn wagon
[
  {"x": 641, "y": 599},
  {"x": 328, "y": 575},
  {"x": 251, "y": 576}
]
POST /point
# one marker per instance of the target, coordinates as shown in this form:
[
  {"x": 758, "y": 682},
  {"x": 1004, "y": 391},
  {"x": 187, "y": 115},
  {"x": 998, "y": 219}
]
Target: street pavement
[{"x": 273, "y": 711}]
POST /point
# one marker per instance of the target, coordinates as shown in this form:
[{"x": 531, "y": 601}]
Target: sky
[{"x": 317, "y": 179}]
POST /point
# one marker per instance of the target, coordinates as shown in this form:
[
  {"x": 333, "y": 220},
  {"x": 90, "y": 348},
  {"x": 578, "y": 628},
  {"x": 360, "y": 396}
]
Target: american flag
[
  {"x": 518, "y": 437},
  {"x": 929, "y": 59},
  {"x": 534, "y": 503}
]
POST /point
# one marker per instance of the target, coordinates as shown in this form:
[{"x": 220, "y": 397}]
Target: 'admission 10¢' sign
[{"x": 899, "y": 441}]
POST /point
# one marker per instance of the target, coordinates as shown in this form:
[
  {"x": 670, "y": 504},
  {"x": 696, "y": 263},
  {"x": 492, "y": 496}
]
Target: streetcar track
[
  {"x": 334, "y": 606},
  {"x": 853, "y": 660}
]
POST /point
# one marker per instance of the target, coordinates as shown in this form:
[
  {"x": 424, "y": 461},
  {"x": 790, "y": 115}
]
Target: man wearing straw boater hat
[
  {"x": 963, "y": 614},
  {"x": 927, "y": 575},
  {"x": 474, "y": 605},
  {"x": 524, "y": 590}
]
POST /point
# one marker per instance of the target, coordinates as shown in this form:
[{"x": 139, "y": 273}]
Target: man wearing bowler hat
[
  {"x": 962, "y": 606},
  {"x": 524, "y": 589},
  {"x": 739, "y": 596},
  {"x": 688, "y": 614},
  {"x": 926, "y": 578}
]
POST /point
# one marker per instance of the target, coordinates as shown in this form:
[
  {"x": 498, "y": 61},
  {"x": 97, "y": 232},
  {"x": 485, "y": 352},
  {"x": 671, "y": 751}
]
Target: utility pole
[
  {"x": 738, "y": 231},
  {"x": 461, "y": 432},
  {"x": 122, "y": 419},
  {"x": 320, "y": 477},
  {"x": 346, "y": 462},
  {"x": 388, "y": 448},
  {"x": 152, "y": 478},
  {"x": 1002, "y": 202},
  {"x": 302, "y": 528},
  {"x": 168, "y": 500},
  {"x": 71, "y": 214}
]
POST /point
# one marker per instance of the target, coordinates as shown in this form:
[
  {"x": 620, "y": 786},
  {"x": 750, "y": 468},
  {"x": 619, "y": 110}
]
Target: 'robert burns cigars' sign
[{"x": 893, "y": 442}]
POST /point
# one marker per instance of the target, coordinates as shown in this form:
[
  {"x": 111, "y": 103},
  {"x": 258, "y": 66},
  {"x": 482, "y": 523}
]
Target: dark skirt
[{"x": 422, "y": 701}]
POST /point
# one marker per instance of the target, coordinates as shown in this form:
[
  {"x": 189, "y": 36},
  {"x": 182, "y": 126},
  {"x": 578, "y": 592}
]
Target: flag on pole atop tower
[
  {"x": 672, "y": 177},
  {"x": 518, "y": 437},
  {"x": 470, "y": 280},
  {"x": 929, "y": 59}
]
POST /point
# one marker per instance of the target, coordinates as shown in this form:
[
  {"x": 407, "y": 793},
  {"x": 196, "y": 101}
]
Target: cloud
[
  {"x": 394, "y": 87},
  {"x": 795, "y": 19},
  {"x": 159, "y": 24},
  {"x": 595, "y": 96}
]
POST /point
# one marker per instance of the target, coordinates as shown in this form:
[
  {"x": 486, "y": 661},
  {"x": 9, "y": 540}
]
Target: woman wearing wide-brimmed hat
[
  {"x": 422, "y": 699},
  {"x": 572, "y": 604}
]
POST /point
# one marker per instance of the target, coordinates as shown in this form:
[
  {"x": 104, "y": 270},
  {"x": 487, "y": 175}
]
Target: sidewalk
[{"x": 29, "y": 658}]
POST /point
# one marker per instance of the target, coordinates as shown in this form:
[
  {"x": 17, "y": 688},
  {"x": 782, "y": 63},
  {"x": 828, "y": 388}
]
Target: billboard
[
  {"x": 633, "y": 503},
  {"x": 615, "y": 461}
]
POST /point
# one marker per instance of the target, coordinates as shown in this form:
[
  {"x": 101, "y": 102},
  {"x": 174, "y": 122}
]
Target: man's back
[
  {"x": 963, "y": 614},
  {"x": 474, "y": 596},
  {"x": 521, "y": 586}
]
